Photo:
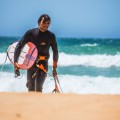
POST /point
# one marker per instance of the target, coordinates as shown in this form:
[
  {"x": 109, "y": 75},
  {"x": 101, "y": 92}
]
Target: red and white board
[{"x": 27, "y": 57}]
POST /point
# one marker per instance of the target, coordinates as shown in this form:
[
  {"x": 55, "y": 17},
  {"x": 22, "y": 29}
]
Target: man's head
[{"x": 44, "y": 22}]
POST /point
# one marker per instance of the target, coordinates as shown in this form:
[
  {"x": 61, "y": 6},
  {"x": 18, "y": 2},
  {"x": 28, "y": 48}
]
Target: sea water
[{"x": 85, "y": 66}]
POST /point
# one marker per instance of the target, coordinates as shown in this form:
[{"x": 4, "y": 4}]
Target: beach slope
[{"x": 36, "y": 106}]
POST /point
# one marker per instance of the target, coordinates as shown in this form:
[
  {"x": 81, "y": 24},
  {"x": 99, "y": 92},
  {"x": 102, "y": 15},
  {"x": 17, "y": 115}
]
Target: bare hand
[
  {"x": 16, "y": 66},
  {"x": 54, "y": 72}
]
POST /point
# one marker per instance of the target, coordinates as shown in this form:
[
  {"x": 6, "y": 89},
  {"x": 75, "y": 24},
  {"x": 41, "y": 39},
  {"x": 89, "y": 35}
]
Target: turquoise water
[
  {"x": 95, "y": 61},
  {"x": 89, "y": 46}
]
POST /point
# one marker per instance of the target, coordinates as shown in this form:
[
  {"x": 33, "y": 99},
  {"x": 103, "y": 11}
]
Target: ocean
[{"x": 85, "y": 66}]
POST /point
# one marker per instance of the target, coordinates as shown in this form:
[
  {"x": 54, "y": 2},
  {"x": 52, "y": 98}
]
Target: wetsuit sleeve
[
  {"x": 20, "y": 44},
  {"x": 55, "y": 50}
]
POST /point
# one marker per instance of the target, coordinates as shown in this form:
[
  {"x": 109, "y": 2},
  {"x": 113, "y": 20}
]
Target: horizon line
[{"x": 71, "y": 37}]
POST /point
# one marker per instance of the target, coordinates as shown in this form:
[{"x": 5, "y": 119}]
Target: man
[{"x": 43, "y": 39}]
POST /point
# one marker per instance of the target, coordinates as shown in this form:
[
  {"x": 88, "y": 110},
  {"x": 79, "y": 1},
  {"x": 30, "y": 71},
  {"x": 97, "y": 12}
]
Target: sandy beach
[{"x": 36, "y": 106}]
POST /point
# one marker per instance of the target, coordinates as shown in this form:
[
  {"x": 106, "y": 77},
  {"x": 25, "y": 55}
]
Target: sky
[{"x": 70, "y": 18}]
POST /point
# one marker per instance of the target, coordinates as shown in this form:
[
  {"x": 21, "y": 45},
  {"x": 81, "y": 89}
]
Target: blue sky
[{"x": 70, "y": 18}]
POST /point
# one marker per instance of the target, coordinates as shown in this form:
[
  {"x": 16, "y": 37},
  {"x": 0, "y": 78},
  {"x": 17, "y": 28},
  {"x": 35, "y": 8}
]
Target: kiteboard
[{"x": 27, "y": 56}]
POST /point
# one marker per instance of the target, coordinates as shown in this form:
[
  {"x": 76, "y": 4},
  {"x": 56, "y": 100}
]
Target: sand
[{"x": 37, "y": 106}]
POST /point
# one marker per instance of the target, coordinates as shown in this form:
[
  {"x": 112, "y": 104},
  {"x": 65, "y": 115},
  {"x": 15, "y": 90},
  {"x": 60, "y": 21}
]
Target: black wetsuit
[{"x": 43, "y": 41}]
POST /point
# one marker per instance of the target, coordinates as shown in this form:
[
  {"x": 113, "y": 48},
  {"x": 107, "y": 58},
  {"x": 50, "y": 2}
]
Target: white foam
[
  {"x": 10, "y": 84},
  {"x": 96, "y": 60},
  {"x": 89, "y": 45},
  {"x": 85, "y": 85},
  {"x": 69, "y": 84}
]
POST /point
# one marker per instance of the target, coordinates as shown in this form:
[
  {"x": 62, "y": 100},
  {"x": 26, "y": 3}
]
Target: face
[{"x": 43, "y": 26}]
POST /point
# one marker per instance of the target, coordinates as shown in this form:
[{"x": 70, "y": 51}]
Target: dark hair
[{"x": 46, "y": 18}]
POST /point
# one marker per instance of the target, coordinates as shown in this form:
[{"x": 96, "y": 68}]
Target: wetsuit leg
[
  {"x": 41, "y": 76},
  {"x": 40, "y": 80},
  {"x": 31, "y": 81}
]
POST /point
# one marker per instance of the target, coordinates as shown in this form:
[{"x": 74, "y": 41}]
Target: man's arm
[
  {"x": 55, "y": 54},
  {"x": 55, "y": 51}
]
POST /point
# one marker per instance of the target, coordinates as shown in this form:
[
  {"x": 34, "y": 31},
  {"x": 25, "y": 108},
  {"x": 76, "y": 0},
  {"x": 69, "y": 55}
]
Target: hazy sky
[{"x": 70, "y": 18}]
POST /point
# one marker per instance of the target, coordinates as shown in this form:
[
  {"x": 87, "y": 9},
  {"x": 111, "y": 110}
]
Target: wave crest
[{"x": 97, "y": 60}]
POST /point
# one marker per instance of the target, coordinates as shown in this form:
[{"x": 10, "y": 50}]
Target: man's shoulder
[
  {"x": 51, "y": 33},
  {"x": 33, "y": 31}
]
